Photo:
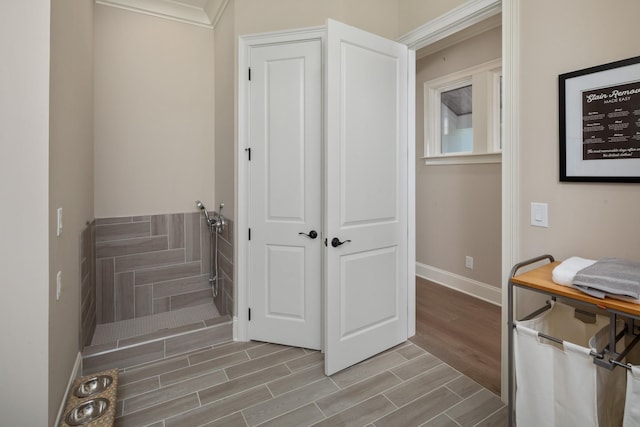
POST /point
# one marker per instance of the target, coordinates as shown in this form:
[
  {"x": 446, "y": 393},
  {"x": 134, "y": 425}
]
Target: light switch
[{"x": 539, "y": 214}]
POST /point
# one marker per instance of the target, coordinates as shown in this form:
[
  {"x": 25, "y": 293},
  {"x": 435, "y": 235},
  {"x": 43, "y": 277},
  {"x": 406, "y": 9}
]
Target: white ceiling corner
[
  {"x": 214, "y": 10},
  {"x": 203, "y": 13}
]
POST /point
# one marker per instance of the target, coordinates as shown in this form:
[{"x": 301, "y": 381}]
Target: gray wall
[
  {"x": 88, "y": 309},
  {"x": 458, "y": 207},
  {"x": 70, "y": 181},
  {"x": 157, "y": 263},
  {"x": 151, "y": 264}
]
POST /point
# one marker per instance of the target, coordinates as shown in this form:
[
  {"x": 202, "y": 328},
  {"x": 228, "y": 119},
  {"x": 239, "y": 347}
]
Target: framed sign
[{"x": 600, "y": 123}]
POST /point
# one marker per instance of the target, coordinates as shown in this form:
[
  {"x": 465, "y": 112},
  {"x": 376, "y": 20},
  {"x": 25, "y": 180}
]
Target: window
[
  {"x": 463, "y": 116},
  {"x": 456, "y": 113}
]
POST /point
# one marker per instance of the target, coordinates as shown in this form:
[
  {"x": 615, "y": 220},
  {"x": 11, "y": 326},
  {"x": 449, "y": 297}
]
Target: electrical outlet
[
  {"x": 468, "y": 262},
  {"x": 59, "y": 222},
  {"x": 58, "y": 285}
]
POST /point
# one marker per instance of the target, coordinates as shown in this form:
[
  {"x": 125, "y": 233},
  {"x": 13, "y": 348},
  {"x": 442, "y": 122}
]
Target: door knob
[
  {"x": 312, "y": 234},
  {"x": 335, "y": 242}
]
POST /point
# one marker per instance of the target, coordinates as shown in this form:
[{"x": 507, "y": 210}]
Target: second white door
[{"x": 366, "y": 196}]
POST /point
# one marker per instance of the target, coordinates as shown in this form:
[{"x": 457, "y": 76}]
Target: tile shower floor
[
  {"x": 249, "y": 384},
  {"x": 111, "y": 332}
]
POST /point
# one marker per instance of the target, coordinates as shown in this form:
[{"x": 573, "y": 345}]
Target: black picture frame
[{"x": 599, "y": 123}]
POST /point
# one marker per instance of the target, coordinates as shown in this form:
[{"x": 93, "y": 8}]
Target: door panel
[
  {"x": 285, "y": 198},
  {"x": 285, "y": 140},
  {"x": 368, "y": 102},
  {"x": 366, "y": 196},
  {"x": 381, "y": 306},
  {"x": 286, "y": 268}
]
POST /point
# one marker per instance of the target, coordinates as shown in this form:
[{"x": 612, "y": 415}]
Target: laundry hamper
[
  {"x": 632, "y": 405},
  {"x": 558, "y": 384}
]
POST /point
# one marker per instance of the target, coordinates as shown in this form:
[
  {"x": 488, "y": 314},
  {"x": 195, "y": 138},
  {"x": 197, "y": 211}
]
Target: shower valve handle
[{"x": 312, "y": 234}]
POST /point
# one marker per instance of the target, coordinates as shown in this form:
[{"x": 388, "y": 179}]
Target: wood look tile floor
[
  {"x": 251, "y": 384},
  {"x": 460, "y": 330}
]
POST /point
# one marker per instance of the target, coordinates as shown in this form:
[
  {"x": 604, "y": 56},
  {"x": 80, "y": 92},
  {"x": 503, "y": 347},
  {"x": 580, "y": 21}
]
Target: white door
[
  {"x": 366, "y": 196},
  {"x": 285, "y": 138}
]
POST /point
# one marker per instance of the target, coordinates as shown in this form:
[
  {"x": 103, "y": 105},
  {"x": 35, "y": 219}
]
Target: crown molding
[
  {"x": 203, "y": 13},
  {"x": 457, "y": 19},
  {"x": 488, "y": 24}
]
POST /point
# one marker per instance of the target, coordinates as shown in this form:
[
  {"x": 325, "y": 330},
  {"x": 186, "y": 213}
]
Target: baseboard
[
  {"x": 234, "y": 328},
  {"x": 75, "y": 373},
  {"x": 476, "y": 289}
]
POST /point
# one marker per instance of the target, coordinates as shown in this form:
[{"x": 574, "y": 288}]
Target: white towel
[{"x": 564, "y": 272}]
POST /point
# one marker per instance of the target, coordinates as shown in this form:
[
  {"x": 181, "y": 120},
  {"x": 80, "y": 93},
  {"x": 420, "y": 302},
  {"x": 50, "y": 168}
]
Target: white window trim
[
  {"x": 494, "y": 130},
  {"x": 463, "y": 159},
  {"x": 489, "y": 153}
]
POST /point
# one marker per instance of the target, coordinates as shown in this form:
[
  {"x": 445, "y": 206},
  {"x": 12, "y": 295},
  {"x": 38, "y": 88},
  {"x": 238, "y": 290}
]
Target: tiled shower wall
[
  {"x": 225, "y": 301},
  {"x": 154, "y": 264},
  {"x": 87, "y": 284}
]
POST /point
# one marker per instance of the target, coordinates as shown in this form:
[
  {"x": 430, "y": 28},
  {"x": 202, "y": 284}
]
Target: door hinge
[
  {"x": 249, "y": 234},
  {"x": 249, "y": 315},
  {"x": 249, "y": 73},
  {"x": 248, "y": 150}
]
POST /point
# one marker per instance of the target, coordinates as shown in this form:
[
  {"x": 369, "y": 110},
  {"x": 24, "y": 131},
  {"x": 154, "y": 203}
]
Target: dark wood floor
[{"x": 462, "y": 331}]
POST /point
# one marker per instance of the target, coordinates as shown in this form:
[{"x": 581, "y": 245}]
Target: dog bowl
[
  {"x": 87, "y": 411},
  {"x": 93, "y": 385}
]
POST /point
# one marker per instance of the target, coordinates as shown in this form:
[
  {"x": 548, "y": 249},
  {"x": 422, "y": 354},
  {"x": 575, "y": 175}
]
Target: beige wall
[
  {"x": 414, "y": 13},
  {"x": 154, "y": 114},
  {"x": 70, "y": 179},
  {"x": 24, "y": 247},
  {"x": 589, "y": 220},
  {"x": 458, "y": 207},
  {"x": 256, "y": 16},
  {"x": 225, "y": 109}
]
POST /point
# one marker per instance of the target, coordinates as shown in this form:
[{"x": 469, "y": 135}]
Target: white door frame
[{"x": 467, "y": 14}]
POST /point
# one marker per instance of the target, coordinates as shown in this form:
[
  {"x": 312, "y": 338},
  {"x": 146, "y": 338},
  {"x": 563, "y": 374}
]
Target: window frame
[{"x": 485, "y": 81}]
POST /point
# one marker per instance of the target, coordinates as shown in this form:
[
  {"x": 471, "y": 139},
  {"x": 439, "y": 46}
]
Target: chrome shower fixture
[
  {"x": 201, "y": 206},
  {"x": 217, "y": 221},
  {"x": 215, "y": 224},
  {"x": 220, "y": 222}
]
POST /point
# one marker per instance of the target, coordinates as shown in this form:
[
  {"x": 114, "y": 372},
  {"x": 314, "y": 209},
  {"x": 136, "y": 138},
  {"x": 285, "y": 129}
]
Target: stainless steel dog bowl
[
  {"x": 93, "y": 385},
  {"x": 87, "y": 411}
]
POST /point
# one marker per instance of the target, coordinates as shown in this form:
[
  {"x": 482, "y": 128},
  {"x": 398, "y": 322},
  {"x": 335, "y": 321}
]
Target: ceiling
[
  {"x": 204, "y": 13},
  {"x": 458, "y": 100}
]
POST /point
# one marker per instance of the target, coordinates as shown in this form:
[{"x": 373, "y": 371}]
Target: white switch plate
[
  {"x": 539, "y": 214},
  {"x": 58, "y": 285},
  {"x": 59, "y": 222}
]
